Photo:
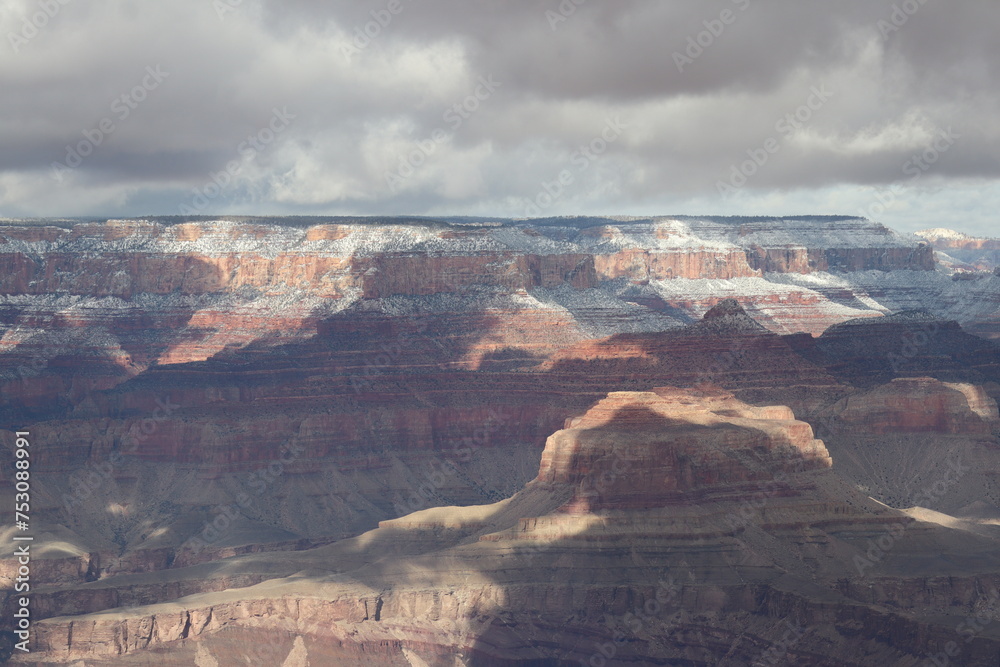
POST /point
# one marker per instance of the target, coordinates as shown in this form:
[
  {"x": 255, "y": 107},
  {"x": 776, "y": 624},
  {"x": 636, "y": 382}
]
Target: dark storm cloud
[{"x": 699, "y": 87}]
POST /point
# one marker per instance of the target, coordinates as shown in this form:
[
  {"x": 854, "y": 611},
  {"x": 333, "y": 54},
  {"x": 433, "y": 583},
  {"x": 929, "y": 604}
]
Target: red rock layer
[
  {"x": 811, "y": 260},
  {"x": 677, "y": 447},
  {"x": 657, "y": 581},
  {"x": 661, "y": 265},
  {"x": 873, "y": 351},
  {"x": 409, "y": 274},
  {"x": 920, "y": 405},
  {"x": 126, "y": 274},
  {"x": 175, "y": 293}
]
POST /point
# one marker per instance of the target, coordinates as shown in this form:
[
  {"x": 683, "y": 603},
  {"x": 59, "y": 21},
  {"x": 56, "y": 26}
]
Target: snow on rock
[
  {"x": 167, "y": 291},
  {"x": 939, "y": 233}
]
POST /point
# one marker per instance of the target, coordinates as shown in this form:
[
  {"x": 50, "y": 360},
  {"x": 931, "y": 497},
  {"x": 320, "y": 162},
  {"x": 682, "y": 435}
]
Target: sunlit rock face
[
  {"x": 921, "y": 405},
  {"x": 122, "y": 296},
  {"x": 678, "y": 448},
  {"x": 225, "y": 404},
  {"x": 962, "y": 252},
  {"x": 130, "y": 294},
  {"x": 377, "y": 415},
  {"x": 663, "y": 526}
]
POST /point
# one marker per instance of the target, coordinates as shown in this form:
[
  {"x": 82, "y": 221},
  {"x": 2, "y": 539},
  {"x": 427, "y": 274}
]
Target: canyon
[
  {"x": 663, "y": 525},
  {"x": 958, "y": 250},
  {"x": 474, "y": 441}
]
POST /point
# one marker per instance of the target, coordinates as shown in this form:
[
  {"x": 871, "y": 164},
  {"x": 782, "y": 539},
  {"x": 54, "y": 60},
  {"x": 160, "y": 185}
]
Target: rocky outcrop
[
  {"x": 382, "y": 414},
  {"x": 918, "y": 442},
  {"x": 127, "y": 295},
  {"x": 871, "y": 351},
  {"x": 747, "y": 549},
  {"x": 919, "y": 429},
  {"x": 270, "y": 388},
  {"x": 963, "y": 252},
  {"x": 727, "y": 347},
  {"x": 678, "y": 448},
  {"x": 920, "y": 405},
  {"x": 376, "y": 416}
]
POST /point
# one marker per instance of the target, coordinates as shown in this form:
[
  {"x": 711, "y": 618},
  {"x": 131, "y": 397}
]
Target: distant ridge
[{"x": 578, "y": 222}]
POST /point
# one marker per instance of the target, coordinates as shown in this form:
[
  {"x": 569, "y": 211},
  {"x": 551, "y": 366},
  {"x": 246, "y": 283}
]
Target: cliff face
[
  {"x": 376, "y": 416},
  {"x": 123, "y": 296},
  {"x": 679, "y": 447},
  {"x": 975, "y": 264},
  {"x": 918, "y": 442},
  {"x": 384, "y": 412},
  {"x": 961, "y": 251},
  {"x": 176, "y": 281},
  {"x": 664, "y": 526},
  {"x": 810, "y": 260},
  {"x": 866, "y": 352},
  {"x": 920, "y": 414},
  {"x": 211, "y": 394},
  {"x": 920, "y": 405}
]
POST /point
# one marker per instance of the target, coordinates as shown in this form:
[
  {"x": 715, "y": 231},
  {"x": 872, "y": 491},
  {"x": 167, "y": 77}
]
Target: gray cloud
[{"x": 365, "y": 111}]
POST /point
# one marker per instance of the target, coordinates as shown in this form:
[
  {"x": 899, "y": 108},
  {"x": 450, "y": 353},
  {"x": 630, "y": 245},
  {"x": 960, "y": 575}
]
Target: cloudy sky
[{"x": 502, "y": 108}]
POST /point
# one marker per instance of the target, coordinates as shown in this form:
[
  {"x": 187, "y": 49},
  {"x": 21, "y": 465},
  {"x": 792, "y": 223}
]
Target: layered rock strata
[
  {"x": 635, "y": 542},
  {"x": 121, "y": 296}
]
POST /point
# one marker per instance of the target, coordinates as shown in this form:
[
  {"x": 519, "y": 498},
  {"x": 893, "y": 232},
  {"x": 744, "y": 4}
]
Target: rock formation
[
  {"x": 920, "y": 405},
  {"x": 963, "y": 252},
  {"x": 123, "y": 296},
  {"x": 265, "y": 439},
  {"x": 866, "y": 352},
  {"x": 975, "y": 264},
  {"x": 662, "y": 526}
]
